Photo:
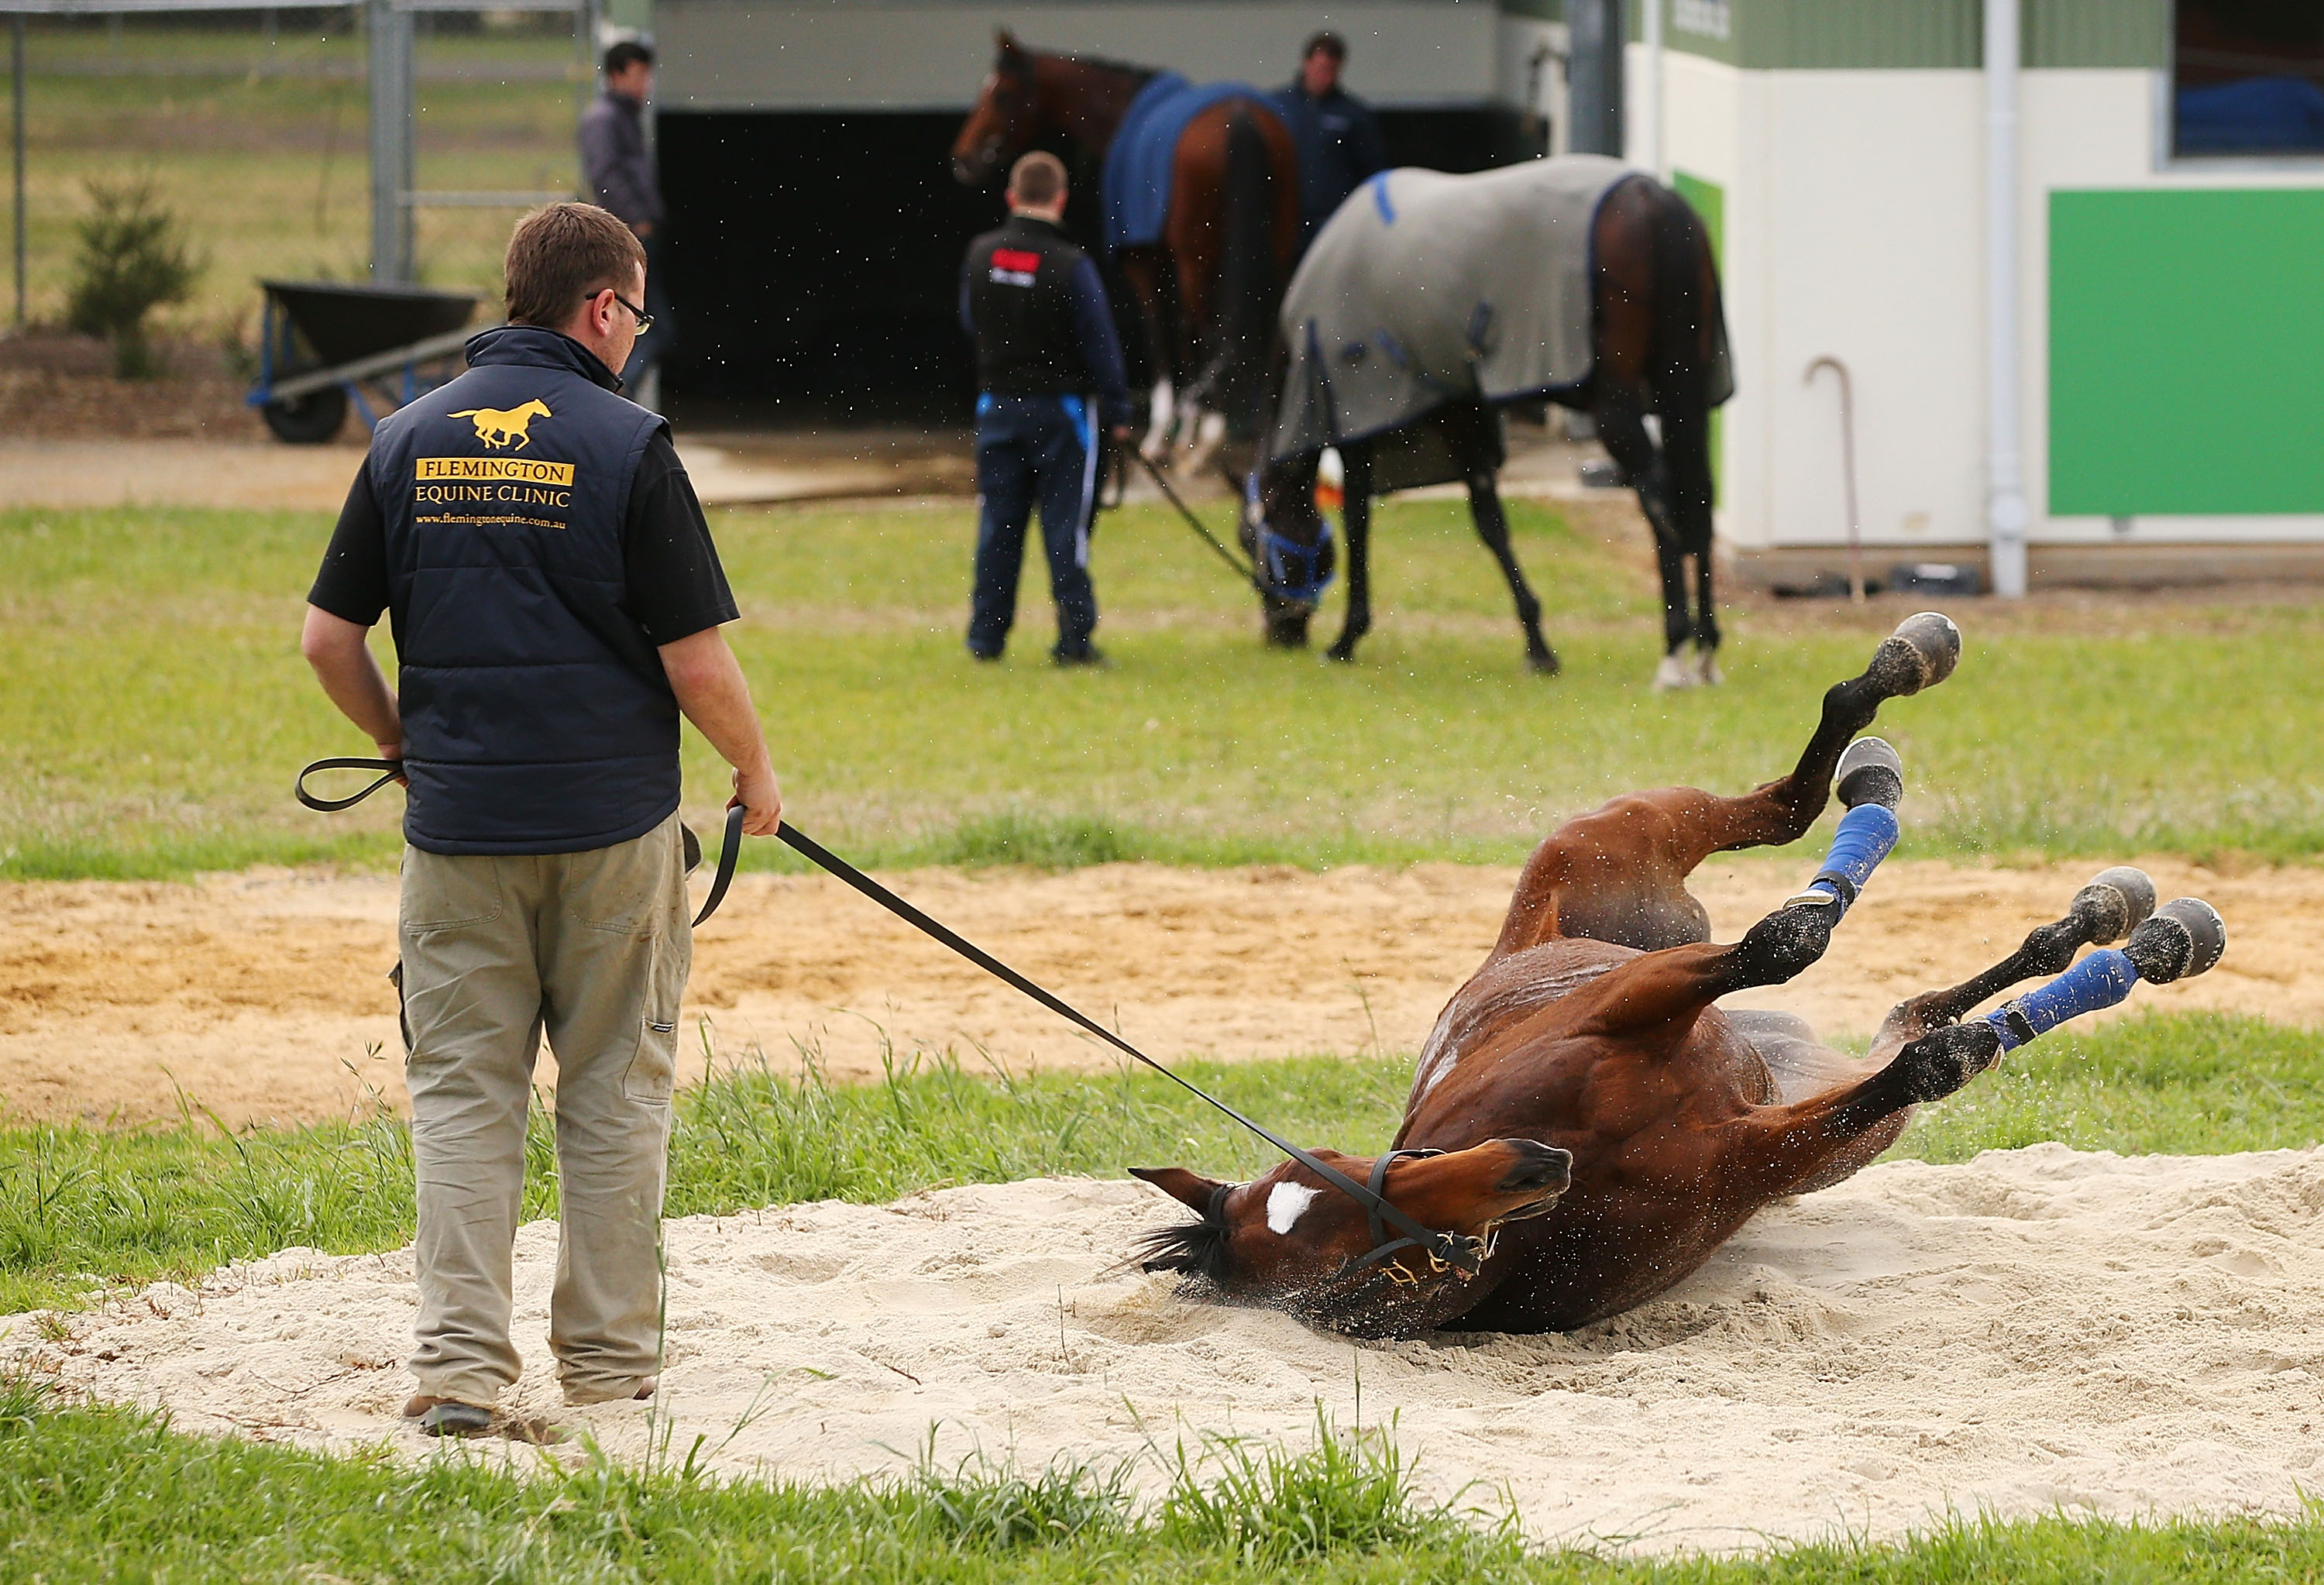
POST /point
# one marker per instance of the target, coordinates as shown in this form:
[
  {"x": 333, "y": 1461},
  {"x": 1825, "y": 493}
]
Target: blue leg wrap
[
  {"x": 1867, "y": 835},
  {"x": 2099, "y": 980}
]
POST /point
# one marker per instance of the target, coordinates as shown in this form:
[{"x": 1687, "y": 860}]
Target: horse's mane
[{"x": 1198, "y": 1248}]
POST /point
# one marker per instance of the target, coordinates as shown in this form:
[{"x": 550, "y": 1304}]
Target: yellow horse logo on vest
[{"x": 498, "y": 427}]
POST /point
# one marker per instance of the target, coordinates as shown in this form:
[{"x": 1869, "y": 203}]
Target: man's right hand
[{"x": 758, "y": 791}]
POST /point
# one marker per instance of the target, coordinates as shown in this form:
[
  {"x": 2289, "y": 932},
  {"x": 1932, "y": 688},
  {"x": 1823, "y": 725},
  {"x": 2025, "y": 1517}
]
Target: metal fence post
[
  {"x": 16, "y": 100},
  {"x": 388, "y": 50}
]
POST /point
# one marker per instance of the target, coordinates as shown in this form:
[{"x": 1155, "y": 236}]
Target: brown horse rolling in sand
[
  {"x": 1207, "y": 291},
  {"x": 1591, "y": 1124}
]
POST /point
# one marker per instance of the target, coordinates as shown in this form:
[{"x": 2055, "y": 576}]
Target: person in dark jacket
[
  {"x": 620, "y": 171},
  {"x": 1049, "y": 378},
  {"x": 556, "y": 600},
  {"x": 1337, "y": 135}
]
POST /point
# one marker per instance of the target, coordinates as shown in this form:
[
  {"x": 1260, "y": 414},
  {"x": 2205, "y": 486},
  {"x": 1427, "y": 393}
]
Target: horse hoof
[
  {"x": 1871, "y": 772},
  {"x": 1706, "y": 668},
  {"x": 2116, "y": 902},
  {"x": 1544, "y": 662},
  {"x": 2183, "y": 939},
  {"x": 1920, "y": 654},
  {"x": 1674, "y": 673}
]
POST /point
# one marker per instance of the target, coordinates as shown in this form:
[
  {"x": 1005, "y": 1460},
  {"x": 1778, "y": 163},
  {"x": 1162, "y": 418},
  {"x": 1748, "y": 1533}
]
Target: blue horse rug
[
  {"x": 1426, "y": 291},
  {"x": 1135, "y": 184}
]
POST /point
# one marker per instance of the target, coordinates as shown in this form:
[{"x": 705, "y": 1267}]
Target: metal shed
[{"x": 2078, "y": 298}]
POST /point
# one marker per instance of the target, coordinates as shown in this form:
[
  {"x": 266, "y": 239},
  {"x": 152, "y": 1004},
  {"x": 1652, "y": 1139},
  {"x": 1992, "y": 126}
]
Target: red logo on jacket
[{"x": 1014, "y": 266}]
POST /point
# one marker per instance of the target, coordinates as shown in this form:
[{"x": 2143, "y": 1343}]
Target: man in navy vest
[
  {"x": 1337, "y": 135},
  {"x": 1049, "y": 377},
  {"x": 556, "y": 600}
]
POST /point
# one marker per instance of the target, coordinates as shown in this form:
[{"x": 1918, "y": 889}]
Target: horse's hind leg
[
  {"x": 1618, "y": 873},
  {"x": 1493, "y": 529},
  {"x": 1686, "y": 459},
  {"x": 1620, "y": 410}
]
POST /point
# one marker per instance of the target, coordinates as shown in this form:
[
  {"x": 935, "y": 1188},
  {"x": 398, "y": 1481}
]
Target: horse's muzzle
[{"x": 1540, "y": 1167}]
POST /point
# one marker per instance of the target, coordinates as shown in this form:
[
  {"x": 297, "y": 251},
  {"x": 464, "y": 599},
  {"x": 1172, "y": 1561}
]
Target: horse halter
[
  {"x": 1278, "y": 552},
  {"x": 1445, "y": 1250}
]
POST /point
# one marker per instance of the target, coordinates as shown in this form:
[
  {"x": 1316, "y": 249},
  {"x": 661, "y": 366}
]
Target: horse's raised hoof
[
  {"x": 1943, "y": 1060},
  {"x": 1674, "y": 673},
  {"x": 1342, "y": 651},
  {"x": 2116, "y": 902},
  {"x": 1871, "y": 772},
  {"x": 1920, "y": 654},
  {"x": 2183, "y": 939}
]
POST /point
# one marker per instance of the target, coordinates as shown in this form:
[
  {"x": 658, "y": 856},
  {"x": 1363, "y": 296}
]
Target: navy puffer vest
[{"x": 536, "y": 718}]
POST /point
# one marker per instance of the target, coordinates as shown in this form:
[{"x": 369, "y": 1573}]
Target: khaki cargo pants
[{"x": 592, "y": 948}]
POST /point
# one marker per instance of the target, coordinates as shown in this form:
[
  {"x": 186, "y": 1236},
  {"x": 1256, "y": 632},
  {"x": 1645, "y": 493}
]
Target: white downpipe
[
  {"x": 2006, "y": 511},
  {"x": 1650, "y": 117}
]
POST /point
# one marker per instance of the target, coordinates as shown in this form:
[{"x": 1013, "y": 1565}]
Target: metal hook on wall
[{"x": 1848, "y": 468}]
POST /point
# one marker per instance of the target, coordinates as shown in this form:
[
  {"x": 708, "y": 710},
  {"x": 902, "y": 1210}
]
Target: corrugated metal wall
[{"x": 1778, "y": 35}]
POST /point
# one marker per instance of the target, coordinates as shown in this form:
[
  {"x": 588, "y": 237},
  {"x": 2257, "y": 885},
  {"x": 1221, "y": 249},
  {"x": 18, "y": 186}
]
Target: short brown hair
[
  {"x": 564, "y": 253},
  {"x": 1327, "y": 43},
  {"x": 1036, "y": 180}
]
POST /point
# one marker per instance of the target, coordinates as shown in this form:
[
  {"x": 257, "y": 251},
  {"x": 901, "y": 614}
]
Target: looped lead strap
[{"x": 392, "y": 771}]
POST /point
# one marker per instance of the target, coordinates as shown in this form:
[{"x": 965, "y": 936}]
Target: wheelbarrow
[{"x": 324, "y": 344}]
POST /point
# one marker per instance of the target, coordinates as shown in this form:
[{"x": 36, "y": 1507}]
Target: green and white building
[{"x": 2070, "y": 253}]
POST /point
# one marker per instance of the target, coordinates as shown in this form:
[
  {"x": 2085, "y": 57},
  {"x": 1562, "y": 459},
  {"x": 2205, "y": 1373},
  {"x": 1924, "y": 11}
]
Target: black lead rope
[
  {"x": 1445, "y": 1246},
  {"x": 1448, "y": 1247},
  {"x": 392, "y": 771},
  {"x": 1246, "y": 573}
]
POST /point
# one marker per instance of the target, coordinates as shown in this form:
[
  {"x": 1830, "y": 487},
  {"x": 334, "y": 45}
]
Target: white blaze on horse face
[{"x": 1285, "y": 1203}]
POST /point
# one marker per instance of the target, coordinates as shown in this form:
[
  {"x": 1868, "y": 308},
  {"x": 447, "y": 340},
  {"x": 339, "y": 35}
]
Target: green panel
[
  {"x": 2186, "y": 335},
  {"x": 1537, "y": 10},
  {"x": 2118, "y": 34},
  {"x": 1709, "y": 200}
]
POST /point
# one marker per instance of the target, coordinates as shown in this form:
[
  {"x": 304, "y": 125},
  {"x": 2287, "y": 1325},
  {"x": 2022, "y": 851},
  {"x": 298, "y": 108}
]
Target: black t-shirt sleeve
[
  {"x": 353, "y": 581},
  {"x": 677, "y": 587}
]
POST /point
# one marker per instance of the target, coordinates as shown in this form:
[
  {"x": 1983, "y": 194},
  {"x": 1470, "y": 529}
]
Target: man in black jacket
[
  {"x": 1048, "y": 378},
  {"x": 556, "y": 600},
  {"x": 1336, "y": 133},
  {"x": 621, "y": 175}
]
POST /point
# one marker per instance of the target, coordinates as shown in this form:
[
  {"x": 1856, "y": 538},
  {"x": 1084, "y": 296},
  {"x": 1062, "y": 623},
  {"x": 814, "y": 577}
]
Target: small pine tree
[{"x": 134, "y": 258}]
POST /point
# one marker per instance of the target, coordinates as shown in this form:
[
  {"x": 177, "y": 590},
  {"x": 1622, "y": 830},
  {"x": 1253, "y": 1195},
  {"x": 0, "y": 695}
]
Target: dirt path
[{"x": 263, "y": 995}]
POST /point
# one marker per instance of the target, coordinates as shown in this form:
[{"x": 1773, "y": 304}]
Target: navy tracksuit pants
[{"x": 1033, "y": 450}]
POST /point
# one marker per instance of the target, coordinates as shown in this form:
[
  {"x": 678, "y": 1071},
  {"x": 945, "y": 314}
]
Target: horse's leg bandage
[{"x": 1869, "y": 779}]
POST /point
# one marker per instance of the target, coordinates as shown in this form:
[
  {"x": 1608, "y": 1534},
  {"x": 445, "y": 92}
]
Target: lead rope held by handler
[{"x": 1448, "y": 1247}]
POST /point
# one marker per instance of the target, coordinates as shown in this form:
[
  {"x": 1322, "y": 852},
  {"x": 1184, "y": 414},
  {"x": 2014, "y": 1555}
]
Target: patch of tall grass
[
  {"x": 100, "y": 1494},
  {"x": 82, "y": 1208}
]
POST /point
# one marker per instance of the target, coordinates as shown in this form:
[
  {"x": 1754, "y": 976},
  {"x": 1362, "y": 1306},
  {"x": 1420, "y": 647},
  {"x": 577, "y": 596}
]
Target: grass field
[
  {"x": 157, "y": 706},
  {"x": 259, "y": 144}
]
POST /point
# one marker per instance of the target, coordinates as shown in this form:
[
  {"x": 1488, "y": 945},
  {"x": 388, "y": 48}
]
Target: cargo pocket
[{"x": 653, "y": 1071}]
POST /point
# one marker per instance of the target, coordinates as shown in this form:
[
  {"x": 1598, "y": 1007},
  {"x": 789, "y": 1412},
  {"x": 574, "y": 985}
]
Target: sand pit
[
  {"x": 264, "y": 995},
  {"x": 2037, "y": 1330}
]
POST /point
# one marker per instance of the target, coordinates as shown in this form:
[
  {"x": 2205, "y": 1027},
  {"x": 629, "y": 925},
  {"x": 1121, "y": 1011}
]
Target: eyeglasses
[{"x": 644, "y": 319}]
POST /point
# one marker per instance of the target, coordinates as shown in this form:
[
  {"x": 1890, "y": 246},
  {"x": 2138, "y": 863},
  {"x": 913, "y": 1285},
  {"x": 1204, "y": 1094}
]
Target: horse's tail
[
  {"x": 1247, "y": 290},
  {"x": 1689, "y": 342}
]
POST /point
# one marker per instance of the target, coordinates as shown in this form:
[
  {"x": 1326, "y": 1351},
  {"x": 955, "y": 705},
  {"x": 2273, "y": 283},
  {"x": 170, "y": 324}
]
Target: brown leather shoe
[
  {"x": 645, "y": 1389},
  {"x": 448, "y": 1416}
]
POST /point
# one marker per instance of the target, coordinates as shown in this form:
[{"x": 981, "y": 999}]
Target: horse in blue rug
[{"x": 1199, "y": 198}]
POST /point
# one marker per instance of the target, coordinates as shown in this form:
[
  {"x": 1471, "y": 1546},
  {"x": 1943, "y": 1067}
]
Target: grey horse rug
[{"x": 1426, "y": 289}]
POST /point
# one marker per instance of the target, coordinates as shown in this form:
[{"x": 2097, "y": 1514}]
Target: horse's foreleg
[
  {"x": 1356, "y": 489},
  {"x": 1493, "y": 529}
]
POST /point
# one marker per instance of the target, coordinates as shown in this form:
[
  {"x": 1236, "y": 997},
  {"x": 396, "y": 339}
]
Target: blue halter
[{"x": 1279, "y": 555}]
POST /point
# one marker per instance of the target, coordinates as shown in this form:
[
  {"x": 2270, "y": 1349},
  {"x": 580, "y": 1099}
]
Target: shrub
[{"x": 134, "y": 258}]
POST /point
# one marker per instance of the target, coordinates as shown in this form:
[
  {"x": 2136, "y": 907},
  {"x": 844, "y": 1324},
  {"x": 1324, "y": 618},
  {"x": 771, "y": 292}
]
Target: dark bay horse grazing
[
  {"x": 1203, "y": 214},
  {"x": 1427, "y": 302},
  {"x": 1586, "y": 1118}
]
